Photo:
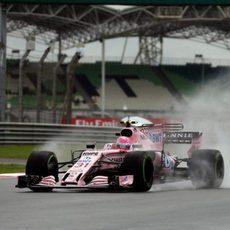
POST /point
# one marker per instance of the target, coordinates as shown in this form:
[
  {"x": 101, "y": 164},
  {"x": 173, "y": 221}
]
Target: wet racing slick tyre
[
  {"x": 206, "y": 168},
  {"x": 140, "y": 165},
  {"x": 42, "y": 163}
]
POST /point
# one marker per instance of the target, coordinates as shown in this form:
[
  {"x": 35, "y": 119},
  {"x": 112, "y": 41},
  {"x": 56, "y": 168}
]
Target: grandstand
[{"x": 128, "y": 87}]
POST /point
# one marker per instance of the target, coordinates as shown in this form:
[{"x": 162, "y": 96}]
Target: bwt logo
[{"x": 156, "y": 137}]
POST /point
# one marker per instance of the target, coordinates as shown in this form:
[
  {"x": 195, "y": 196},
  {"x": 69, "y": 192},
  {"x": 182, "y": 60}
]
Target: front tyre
[
  {"x": 206, "y": 168},
  {"x": 140, "y": 165},
  {"x": 42, "y": 163}
]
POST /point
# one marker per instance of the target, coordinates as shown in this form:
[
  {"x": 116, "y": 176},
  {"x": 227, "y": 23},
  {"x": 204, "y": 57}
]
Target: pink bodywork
[
  {"x": 145, "y": 138},
  {"x": 87, "y": 164}
]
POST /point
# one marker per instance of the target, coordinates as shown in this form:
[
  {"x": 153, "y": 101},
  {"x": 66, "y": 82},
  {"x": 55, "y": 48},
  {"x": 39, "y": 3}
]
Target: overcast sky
[{"x": 173, "y": 49}]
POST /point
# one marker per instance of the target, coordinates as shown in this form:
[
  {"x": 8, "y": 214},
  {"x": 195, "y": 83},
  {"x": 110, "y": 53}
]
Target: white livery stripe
[
  {"x": 10, "y": 175},
  {"x": 99, "y": 180},
  {"x": 48, "y": 181}
]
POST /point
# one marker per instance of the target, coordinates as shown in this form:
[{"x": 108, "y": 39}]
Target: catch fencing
[{"x": 29, "y": 133}]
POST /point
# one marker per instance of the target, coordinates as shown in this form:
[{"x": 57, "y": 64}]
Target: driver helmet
[{"x": 123, "y": 142}]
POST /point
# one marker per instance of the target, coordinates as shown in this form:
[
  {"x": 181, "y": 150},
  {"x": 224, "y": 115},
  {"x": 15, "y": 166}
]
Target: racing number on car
[{"x": 84, "y": 162}]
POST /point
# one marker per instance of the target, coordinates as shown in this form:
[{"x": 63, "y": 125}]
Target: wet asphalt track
[{"x": 165, "y": 207}]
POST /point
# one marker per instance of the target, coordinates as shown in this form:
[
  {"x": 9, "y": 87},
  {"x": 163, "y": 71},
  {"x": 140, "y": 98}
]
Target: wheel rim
[{"x": 52, "y": 164}]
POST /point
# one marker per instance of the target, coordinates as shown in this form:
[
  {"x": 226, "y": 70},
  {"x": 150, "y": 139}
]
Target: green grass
[
  {"x": 16, "y": 151},
  {"x": 11, "y": 168},
  {"x": 23, "y": 151},
  {"x": 62, "y": 151}
]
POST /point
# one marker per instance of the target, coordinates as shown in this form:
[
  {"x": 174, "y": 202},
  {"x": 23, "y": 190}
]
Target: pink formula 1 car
[{"x": 135, "y": 161}]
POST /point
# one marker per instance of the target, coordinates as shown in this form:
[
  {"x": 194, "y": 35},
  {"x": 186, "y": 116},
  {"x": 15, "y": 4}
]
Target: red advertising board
[
  {"x": 105, "y": 122},
  {"x": 93, "y": 121}
]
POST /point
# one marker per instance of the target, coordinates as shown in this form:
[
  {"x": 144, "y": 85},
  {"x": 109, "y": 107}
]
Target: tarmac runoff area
[{"x": 165, "y": 207}]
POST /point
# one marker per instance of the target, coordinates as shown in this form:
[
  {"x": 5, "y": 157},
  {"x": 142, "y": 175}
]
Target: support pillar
[
  {"x": 2, "y": 64},
  {"x": 151, "y": 50},
  {"x": 20, "y": 85},
  {"x": 54, "y": 89},
  {"x": 39, "y": 81},
  {"x": 69, "y": 86},
  {"x": 103, "y": 79}
]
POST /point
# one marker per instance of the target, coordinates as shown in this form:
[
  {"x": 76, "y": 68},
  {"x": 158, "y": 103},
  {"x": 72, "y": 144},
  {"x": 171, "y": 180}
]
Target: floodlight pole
[
  {"x": 59, "y": 46},
  {"x": 54, "y": 89},
  {"x": 2, "y": 63},
  {"x": 20, "y": 84},
  {"x": 39, "y": 81},
  {"x": 103, "y": 79},
  {"x": 69, "y": 86}
]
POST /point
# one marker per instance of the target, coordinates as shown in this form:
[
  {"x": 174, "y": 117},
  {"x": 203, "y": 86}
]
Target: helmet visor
[{"x": 123, "y": 145}]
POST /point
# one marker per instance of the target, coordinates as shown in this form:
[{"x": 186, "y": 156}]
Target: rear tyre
[
  {"x": 140, "y": 165},
  {"x": 42, "y": 163},
  {"x": 206, "y": 168}
]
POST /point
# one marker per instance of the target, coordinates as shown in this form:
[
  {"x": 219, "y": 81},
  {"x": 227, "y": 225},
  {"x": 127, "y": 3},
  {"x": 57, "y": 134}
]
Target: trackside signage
[
  {"x": 122, "y": 2},
  {"x": 93, "y": 121},
  {"x": 104, "y": 122}
]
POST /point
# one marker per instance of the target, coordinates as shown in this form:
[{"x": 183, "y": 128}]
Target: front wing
[{"x": 33, "y": 182}]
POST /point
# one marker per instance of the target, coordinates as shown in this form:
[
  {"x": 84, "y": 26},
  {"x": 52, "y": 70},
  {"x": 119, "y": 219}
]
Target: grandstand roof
[
  {"x": 126, "y": 2},
  {"x": 74, "y": 23}
]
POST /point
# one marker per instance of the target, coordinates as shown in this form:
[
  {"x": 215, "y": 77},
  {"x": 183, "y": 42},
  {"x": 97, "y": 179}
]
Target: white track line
[{"x": 10, "y": 175}]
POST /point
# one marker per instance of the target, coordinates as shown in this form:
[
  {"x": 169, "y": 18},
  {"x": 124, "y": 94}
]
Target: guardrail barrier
[{"x": 33, "y": 133}]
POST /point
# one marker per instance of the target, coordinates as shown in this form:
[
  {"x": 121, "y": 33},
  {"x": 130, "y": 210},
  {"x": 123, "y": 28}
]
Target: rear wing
[
  {"x": 166, "y": 127},
  {"x": 172, "y": 134},
  {"x": 181, "y": 137},
  {"x": 172, "y": 127}
]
